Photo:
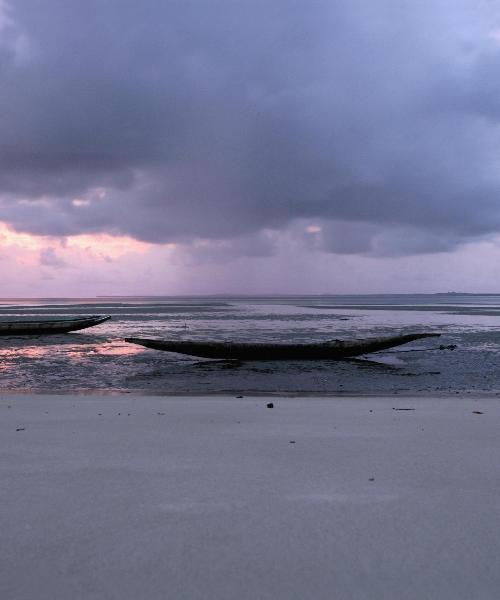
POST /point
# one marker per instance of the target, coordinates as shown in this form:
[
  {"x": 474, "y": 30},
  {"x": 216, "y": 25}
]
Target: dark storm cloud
[{"x": 177, "y": 120}]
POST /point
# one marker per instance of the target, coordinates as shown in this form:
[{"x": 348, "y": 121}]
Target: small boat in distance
[
  {"x": 331, "y": 350},
  {"x": 49, "y": 327}
]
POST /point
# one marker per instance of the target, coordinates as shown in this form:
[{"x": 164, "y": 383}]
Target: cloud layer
[{"x": 373, "y": 122}]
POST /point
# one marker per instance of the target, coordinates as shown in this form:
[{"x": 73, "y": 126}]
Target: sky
[{"x": 249, "y": 146}]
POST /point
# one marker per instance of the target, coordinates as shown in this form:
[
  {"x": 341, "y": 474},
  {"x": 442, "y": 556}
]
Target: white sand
[{"x": 211, "y": 500}]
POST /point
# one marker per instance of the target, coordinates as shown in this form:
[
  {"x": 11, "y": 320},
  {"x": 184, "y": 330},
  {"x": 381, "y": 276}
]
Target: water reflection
[{"x": 118, "y": 348}]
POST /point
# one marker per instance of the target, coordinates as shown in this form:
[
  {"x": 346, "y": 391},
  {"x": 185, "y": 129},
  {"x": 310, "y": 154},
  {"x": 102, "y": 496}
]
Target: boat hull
[
  {"x": 334, "y": 350},
  {"x": 49, "y": 327}
]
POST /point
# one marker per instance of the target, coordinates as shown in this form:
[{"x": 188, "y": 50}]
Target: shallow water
[{"x": 98, "y": 359}]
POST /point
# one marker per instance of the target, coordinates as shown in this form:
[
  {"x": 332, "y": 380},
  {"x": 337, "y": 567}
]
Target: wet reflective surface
[{"x": 97, "y": 359}]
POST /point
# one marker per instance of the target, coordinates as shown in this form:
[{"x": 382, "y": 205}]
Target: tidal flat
[{"x": 98, "y": 360}]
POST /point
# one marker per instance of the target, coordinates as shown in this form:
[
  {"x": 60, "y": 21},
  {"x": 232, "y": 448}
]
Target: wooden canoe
[
  {"x": 332, "y": 350},
  {"x": 52, "y": 326}
]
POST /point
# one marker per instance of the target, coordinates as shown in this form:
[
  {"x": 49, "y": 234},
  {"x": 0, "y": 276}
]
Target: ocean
[{"x": 98, "y": 360}]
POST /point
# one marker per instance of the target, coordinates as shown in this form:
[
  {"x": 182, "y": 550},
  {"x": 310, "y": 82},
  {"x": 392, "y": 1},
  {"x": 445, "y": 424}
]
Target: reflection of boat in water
[
  {"x": 332, "y": 350},
  {"x": 52, "y": 326}
]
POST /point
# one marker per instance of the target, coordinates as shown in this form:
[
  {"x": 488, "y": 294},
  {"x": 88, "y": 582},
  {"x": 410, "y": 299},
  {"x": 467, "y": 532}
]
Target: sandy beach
[{"x": 217, "y": 497}]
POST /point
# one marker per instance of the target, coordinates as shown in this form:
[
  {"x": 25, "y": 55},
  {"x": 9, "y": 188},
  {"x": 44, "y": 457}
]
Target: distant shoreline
[{"x": 233, "y": 296}]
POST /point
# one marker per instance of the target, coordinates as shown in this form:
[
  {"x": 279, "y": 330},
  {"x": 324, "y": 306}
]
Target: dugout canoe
[
  {"x": 331, "y": 350},
  {"x": 50, "y": 326}
]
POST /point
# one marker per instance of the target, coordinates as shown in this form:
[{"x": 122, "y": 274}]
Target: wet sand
[{"x": 133, "y": 497}]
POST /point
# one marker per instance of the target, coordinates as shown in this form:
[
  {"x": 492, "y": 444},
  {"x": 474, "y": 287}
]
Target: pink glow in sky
[{"x": 88, "y": 265}]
